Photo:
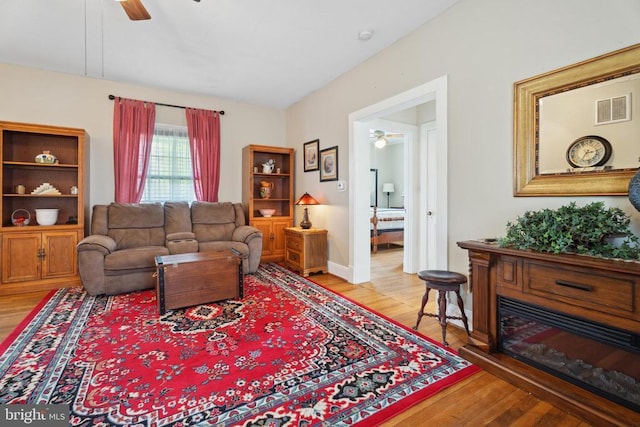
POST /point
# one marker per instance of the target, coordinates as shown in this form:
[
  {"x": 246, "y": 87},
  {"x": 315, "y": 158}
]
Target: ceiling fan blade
[{"x": 135, "y": 10}]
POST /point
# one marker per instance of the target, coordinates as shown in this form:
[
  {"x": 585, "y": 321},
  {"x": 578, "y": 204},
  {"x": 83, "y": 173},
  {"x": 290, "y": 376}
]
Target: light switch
[{"x": 342, "y": 185}]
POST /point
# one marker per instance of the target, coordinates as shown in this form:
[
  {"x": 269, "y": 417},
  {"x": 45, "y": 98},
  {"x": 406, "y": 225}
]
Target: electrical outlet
[{"x": 342, "y": 185}]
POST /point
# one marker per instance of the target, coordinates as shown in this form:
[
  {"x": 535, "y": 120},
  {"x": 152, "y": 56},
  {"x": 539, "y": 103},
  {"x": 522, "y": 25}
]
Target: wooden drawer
[
  {"x": 295, "y": 242},
  {"x": 294, "y": 259},
  {"x": 610, "y": 293}
]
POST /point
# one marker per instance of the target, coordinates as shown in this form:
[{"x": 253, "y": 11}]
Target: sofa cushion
[
  {"x": 100, "y": 220},
  {"x": 213, "y": 221},
  {"x": 177, "y": 217},
  {"x": 136, "y": 225},
  {"x": 132, "y": 259}
]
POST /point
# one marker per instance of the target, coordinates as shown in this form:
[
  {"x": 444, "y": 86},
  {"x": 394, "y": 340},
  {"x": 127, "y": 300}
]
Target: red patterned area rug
[{"x": 291, "y": 353}]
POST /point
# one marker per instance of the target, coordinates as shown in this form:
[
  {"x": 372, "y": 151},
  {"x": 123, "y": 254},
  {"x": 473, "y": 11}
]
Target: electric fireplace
[
  {"x": 564, "y": 327},
  {"x": 597, "y": 357}
]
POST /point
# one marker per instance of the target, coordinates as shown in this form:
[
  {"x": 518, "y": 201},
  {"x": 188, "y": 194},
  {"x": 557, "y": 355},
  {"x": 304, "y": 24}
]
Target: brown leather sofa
[{"x": 119, "y": 255}]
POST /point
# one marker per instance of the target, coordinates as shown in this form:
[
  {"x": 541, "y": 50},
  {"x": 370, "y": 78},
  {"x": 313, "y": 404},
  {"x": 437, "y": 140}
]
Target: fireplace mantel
[{"x": 599, "y": 290}]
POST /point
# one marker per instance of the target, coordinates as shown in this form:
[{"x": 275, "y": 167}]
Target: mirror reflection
[{"x": 601, "y": 111}]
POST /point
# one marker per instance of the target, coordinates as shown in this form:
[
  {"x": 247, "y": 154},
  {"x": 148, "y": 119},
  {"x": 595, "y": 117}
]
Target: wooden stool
[{"x": 443, "y": 281}]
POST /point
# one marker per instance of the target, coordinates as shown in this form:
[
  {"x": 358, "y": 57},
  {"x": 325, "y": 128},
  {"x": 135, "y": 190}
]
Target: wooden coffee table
[{"x": 184, "y": 280}]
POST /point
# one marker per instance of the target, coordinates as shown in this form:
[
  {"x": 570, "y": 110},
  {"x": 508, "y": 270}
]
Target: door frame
[{"x": 359, "y": 269}]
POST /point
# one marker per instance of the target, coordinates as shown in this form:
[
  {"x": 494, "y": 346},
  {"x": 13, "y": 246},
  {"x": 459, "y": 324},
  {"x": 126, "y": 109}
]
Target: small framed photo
[
  {"x": 311, "y": 155},
  {"x": 329, "y": 164}
]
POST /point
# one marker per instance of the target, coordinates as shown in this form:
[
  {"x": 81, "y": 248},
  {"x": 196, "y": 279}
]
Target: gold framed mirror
[{"x": 559, "y": 118}]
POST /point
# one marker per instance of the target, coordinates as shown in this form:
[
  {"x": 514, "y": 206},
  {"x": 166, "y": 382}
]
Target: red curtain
[
  {"x": 133, "y": 123},
  {"x": 203, "y": 127}
]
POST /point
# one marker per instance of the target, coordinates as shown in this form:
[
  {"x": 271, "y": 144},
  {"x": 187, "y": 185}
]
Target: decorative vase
[
  {"x": 266, "y": 188},
  {"x": 634, "y": 190}
]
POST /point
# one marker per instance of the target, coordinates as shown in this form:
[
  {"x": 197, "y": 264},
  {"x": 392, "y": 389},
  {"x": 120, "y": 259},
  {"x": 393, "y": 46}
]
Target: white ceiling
[{"x": 266, "y": 52}]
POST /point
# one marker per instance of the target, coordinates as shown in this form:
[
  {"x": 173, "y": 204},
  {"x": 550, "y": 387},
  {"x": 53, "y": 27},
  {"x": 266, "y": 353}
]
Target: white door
[{"x": 427, "y": 198}]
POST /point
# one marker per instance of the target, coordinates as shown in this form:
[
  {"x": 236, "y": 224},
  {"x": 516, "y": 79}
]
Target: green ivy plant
[{"x": 573, "y": 229}]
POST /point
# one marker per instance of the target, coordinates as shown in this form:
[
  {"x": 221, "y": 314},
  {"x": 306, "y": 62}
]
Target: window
[{"x": 170, "y": 176}]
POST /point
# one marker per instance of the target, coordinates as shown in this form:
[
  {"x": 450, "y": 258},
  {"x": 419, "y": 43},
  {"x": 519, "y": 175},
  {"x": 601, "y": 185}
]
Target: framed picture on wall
[
  {"x": 329, "y": 164},
  {"x": 311, "y": 155}
]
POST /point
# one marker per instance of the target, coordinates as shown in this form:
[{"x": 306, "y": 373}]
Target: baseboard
[{"x": 340, "y": 270}]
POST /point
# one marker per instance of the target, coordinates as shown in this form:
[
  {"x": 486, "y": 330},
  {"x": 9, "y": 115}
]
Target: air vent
[{"x": 613, "y": 110}]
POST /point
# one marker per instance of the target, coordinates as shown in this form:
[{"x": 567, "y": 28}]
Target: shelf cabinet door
[
  {"x": 59, "y": 249},
  {"x": 278, "y": 244},
  {"x": 273, "y": 242},
  {"x": 20, "y": 260}
]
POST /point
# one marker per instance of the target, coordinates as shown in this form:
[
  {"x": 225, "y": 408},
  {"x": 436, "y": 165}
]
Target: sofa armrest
[
  {"x": 97, "y": 242},
  {"x": 252, "y": 237},
  {"x": 181, "y": 242},
  {"x": 244, "y": 233},
  {"x": 92, "y": 251}
]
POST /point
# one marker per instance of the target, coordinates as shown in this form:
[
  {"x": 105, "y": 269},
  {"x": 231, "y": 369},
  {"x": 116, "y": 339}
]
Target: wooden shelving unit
[
  {"x": 281, "y": 199},
  {"x": 39, "y": 257}
]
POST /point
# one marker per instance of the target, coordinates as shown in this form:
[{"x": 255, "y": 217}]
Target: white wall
[
  {"x": 484, "y": 46},
  {"x": 36, "y": 96}
]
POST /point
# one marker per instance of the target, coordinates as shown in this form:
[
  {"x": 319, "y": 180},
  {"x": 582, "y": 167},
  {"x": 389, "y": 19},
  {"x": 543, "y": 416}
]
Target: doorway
[
  {"x": 389, "y": 138},
  {"x": 415, "y": 196}
]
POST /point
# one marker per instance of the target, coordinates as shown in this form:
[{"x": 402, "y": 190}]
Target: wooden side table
[{"x": 306, "y": 250}]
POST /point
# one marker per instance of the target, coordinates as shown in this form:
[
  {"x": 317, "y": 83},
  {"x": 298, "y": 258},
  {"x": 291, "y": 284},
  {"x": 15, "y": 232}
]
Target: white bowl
[
  {"x": 47, "y": 216},
  {"x": 267, "y": 212}
]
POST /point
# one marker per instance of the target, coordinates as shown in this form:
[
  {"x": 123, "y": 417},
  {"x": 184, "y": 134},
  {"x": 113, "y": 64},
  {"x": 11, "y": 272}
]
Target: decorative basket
[{"x": 20, "y": 217}]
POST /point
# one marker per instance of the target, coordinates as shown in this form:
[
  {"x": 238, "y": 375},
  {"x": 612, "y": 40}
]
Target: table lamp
[
  {"x": 306, "y": 199},
  {"x": 388, "y": 188}
]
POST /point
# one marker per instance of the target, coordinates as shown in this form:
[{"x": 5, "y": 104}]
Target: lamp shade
[
  {"x": 388, "y": 188},
  {"x": 306, "y": 199}
]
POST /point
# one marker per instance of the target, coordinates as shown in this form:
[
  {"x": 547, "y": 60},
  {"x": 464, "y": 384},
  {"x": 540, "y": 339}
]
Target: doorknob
[{"x": 429, "y": 213}]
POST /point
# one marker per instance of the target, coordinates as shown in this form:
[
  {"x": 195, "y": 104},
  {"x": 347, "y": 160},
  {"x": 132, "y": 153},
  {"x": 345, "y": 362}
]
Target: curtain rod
[{"x": 112, "y": 97}]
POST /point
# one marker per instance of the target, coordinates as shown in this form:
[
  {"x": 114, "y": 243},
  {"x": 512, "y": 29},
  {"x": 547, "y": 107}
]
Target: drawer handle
[{"x": 574, "y": 285}]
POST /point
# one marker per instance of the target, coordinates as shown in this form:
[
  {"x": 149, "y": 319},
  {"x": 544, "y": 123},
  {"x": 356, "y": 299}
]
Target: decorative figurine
[
  {"x": 268, "y": 166},
  {"x": 46, "y": 157}
]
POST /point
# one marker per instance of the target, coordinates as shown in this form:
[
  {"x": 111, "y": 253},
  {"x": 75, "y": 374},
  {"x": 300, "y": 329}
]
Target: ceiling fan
[{"x": 136, "y": 11}]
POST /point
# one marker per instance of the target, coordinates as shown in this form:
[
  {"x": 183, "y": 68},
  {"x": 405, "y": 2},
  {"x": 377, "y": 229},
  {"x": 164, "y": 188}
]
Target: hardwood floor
[{"x": 482, "y": 399}]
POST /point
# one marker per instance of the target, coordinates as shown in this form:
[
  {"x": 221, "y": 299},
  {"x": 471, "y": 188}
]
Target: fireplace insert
[{"x": 599, "y": 358}]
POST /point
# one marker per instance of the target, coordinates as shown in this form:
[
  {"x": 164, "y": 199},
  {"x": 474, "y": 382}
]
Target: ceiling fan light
[{"x": 380, "y": 142}]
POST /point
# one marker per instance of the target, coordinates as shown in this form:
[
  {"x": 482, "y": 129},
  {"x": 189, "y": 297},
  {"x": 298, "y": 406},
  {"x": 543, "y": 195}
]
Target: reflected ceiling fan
[
  {"x": 136, "y": 11},
  {"x": 380, "y": 137}
]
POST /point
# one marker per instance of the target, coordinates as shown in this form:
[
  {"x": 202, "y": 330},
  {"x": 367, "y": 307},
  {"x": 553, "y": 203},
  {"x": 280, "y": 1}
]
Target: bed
[{"x": 387, "y": 226}]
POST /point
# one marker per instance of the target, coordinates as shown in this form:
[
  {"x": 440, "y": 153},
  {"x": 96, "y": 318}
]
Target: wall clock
[{"x": 589, "y": 151}]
